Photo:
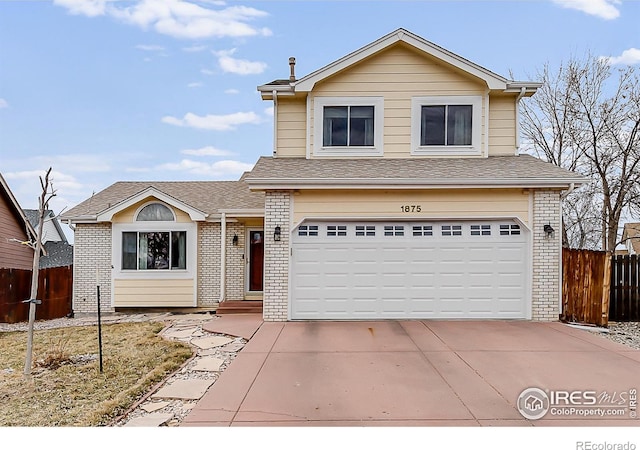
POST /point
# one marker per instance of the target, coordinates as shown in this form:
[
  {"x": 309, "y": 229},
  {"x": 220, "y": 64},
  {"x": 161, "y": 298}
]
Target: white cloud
[
  {"x": 214, "y": 122},
  {"x": 177, "y": 18},
  {"x": 195, "y": 84},
  {"x": 220, "y": 169},
  {"x": 206, "y": 151},
  {"x": 269, "y": 111},
  {"x": 89, "y": 8},
  {"x": 628, "y": 57},
  {"x": 207, "y": 72},
  {"x": 238, "y": 66},
  {"x": 150, "y": 48},
  {"x": 3, "y": 103},
  {"x": 605, "y": 9},
  {"x": 231, "y": 91}
]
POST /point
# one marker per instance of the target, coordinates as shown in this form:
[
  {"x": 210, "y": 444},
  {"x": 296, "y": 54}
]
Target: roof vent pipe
[{"x": 292, "y": 65}]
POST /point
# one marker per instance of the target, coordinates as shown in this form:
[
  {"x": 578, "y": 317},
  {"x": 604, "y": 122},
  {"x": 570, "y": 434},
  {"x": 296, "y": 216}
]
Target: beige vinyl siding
[
  {"x": 291, "y": 132},
  {"x": 128, "y": 215},
  {"x": 502, "y": 125},
  {"x": 155, "y": 293},
  {"x": 398, "y": 74},
  {"x": 441, "y": 203}
]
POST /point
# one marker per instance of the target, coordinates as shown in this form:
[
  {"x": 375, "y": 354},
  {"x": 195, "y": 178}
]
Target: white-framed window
[
  {"x": 154, "y": 250},
  {"x": 308, "y": 230},
  {"x": 394, "y": 230},
  {"x": 365, "y": 230},
  {"x": 423, "y": 230},
  {"x": 348, "y": 126},
  {"x": 451, "y": 230},
  {"x": 480, "y": 230},
  {"x": 446, "y": 125},
  {"x": 154, "y": 242},
  {"x": 336, "y": 230},
  {"x": 509, "y": 230}
]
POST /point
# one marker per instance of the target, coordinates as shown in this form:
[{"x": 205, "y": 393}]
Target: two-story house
[{"x": 395, "y": 190}]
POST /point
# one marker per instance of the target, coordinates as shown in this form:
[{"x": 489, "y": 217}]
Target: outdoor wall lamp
[
  {"x": 548, "y": 230},
  {"x": 235, "y": 240},
  {"x": 277, "y": 233}
]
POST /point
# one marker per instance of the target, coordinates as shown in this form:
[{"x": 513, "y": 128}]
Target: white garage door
[{"x": 384, "y": 270}]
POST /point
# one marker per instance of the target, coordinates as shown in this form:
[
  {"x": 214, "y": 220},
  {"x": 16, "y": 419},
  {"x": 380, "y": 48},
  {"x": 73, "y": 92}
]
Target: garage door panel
[{"x": 402, "y": 275}]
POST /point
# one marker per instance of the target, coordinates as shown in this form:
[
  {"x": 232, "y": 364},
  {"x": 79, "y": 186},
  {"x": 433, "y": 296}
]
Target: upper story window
[
  {"x": 446, "y": 125},
  {"x": 348, "y": 126}
]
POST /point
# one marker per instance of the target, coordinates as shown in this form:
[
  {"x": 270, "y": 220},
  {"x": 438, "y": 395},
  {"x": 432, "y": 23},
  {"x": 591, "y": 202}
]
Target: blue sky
[{"x": 105, "y": 90}]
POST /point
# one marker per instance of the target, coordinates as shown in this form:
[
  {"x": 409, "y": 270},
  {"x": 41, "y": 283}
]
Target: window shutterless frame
[
  {"x": 350, "y": 126},
  {"x": 446, "y": 125}
]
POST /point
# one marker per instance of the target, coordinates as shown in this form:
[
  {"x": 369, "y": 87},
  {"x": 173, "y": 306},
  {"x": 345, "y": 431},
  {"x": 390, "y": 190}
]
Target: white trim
[
  {"x": 223, "y": 257},
  {"x": 308, "y": 130},
  {"x": 404, "y": 183},
  {"x": 290, "y": 268},
  {"x": 484, "y": 143},
  {"x": 492, "y": 80},
  {"x": 531, "y": 256},
  {"x": 191, "y": 272},
  {"x": 447, "y": 150},
  {"x": 107, "y": 214},
  {"x": 378, "y": 123}
]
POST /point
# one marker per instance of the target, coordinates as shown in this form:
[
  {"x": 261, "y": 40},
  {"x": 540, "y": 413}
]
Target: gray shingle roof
[
  {"x": 501, "y": 170},
  {"x": 206, "y": 196},
  {"x": 59, "y": 254}
]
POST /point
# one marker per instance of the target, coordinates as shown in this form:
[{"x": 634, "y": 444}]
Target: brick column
[
  {"x": 547, "y": 281},
  {"x": 276, "y": 267},
  {"x": 208, "y": 264},
  {"x": 91, "y": 252}
]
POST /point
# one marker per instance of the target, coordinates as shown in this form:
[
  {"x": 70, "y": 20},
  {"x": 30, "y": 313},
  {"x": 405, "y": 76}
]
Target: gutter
[
  {"x": 275, "y": 121},
  {"x": 523, "y": 90}
]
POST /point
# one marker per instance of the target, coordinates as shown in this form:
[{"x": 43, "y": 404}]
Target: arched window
[{"x": 155, "y": 212}]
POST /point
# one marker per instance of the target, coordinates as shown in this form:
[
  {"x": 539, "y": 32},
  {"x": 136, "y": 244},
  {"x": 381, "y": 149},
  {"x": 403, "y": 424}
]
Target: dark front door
[{"x": 256, "y": 259}]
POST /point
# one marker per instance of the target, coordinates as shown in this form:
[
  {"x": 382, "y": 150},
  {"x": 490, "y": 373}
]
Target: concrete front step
[{"x": 240, "y": 307}]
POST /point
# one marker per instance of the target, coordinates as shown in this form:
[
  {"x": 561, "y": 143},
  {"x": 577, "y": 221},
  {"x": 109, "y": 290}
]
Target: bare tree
[
  {"x": 585, "y": 119},
  {"x": 36, "y": 243}
]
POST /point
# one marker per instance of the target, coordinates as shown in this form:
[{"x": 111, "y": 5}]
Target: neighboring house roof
[
  {"x": 59, "y": 254},
  {"x": 492, "y": 80},
  {"x": 494, "y": 171},
  {"x": 33, "y": 217},
  {"x": 208, "y": 197},
  {"x": 632, "y": 230},
  {"x": 15, "y": 206}
]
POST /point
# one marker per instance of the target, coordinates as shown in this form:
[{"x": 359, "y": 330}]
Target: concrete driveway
[{"x": 420, "y": 373}]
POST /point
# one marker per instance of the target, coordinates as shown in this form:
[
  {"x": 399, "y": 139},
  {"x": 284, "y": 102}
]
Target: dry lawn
[{"x": 66, "y": 392}]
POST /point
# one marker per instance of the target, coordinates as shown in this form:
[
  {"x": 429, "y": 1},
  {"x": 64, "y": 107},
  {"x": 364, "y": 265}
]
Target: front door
[{"x": 256, "y": 260}]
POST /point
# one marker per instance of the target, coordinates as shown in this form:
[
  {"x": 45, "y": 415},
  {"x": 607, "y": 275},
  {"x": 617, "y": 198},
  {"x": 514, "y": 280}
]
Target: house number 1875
[{"x": 411, "y": 208}]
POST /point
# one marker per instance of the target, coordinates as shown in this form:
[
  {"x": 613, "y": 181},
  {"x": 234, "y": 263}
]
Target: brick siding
[
  {"x": 546, "y": 283},
  {"x": 276, "y": 275}
]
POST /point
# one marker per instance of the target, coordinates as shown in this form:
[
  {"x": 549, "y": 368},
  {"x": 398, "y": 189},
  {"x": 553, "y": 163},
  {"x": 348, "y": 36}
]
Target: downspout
[
  {"x": 275, "y": 121},
  {"x": 572, "y": 186},
  {"x": 223, "y": 255},
  {"x": 523, "y": 90}
]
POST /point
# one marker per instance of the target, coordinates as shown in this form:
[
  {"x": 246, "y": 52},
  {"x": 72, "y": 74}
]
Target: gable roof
[
  {"x": 495, "y": 171},
  {"x": 492, "y": 80},
  {"x": 15, "y": 206},
  {"x": 33, "y": 218},
  {"x": 205, "y": 198},
  {"x": 632, "y": 230}
]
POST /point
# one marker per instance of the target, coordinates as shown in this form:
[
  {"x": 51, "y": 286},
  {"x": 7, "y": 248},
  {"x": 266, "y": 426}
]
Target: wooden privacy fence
[
  {"x": 625, "y": 288},
  {"x": 585, "y": 286},
  {"x": 54, "y": 289}
]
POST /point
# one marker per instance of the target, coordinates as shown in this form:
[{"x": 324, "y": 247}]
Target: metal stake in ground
[{"x": 99, "y": 324}]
